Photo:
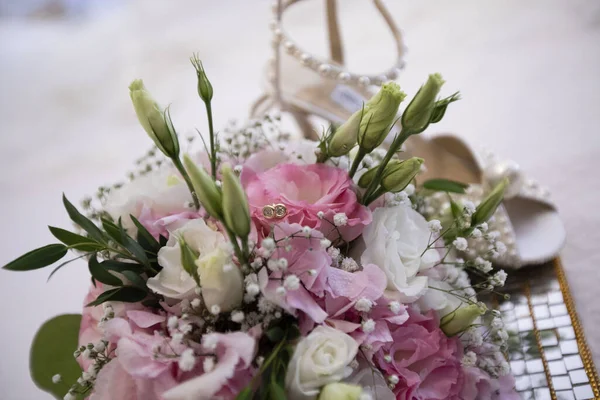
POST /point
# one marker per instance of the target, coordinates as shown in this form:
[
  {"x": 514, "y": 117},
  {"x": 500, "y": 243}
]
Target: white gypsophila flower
[
  {"x": 195, "y": 303},
  {"x": 472, "y": 337},
  {"x": 256, "y": 263},
  {"x": 291, "y": 282},
  {"x": 483, "y": 227},
  {"x": 368, "y": 325},
  {"x": 215, "y": 309},
  {"x": 349, "y": 265},
  {"x": 395, "y": 307},
  {"x": 268, "y": 244},
  {"x": 220, "y": 286},
  {"x": 497, "y": 323},
  {"x": 410, "y": 189},
  {"x": 476, "y": 234},
  {"x": 172, "y": 322},
  {"x": 177, "y": 338},
  {"x": 282, "y": 263},
  {"x": 265, "y": 306},
  {"x": 253, "y": 289},
  {"x": 280, "y": 291},
  {"x": 306, "y": 231},
  {"x": 209, "y": 342},
  {"x": 56, "y": 378},
  {"x": 320, "y": 358},
  {"x": 325, "y": 243},
  {"x": 468, "y": 207},
  {"x": 469, "y": 359},
  {"x": 273, "y": 265},
  {"x": 334, "y": 253},
  {"x": 435, "y": 226},
  {"x": 100, "y": 346},
  {"x": 503, "y": 368},
  {"x": 484, "y": 266},
  {"x": 395, "y": 241},
  {"x": 187, "y": 360},
  {"x": 499, "y": 278},
  {"x": 393, "y": 379},
  {"x": 340, "y": 219},
  {"x": 237, "y": 316},
  {"x": 502, "y": 335},
  {"x": 363, "y": 305},
  {"x": 460, "y": 244},
  {"x": 320, "y": 215},
  {"x": 500, "y": 248}
]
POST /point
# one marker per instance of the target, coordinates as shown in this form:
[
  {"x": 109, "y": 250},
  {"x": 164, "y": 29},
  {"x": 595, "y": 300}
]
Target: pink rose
[
  {"x": 426, "y": 362},
  {"x": 306, "y": 190}
]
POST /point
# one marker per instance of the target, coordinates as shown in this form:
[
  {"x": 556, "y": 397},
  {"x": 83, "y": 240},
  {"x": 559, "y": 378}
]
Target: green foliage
[
  {"x": 445, "y": 185},
  {"x": 38, "y": 258},
  {"x": 85, "y": 224},
  {"x": 118, "y": 234},
  {"x": 52, "y": 353},
  {"x": 101, "y": 273},
  {"x": 125, "y": 294},
  {"x": 145, "y": 238},
  {"x": 75, "y": 241}
]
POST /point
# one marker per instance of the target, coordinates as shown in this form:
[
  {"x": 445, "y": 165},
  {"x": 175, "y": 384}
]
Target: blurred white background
[{"x": 528, "y": 72}]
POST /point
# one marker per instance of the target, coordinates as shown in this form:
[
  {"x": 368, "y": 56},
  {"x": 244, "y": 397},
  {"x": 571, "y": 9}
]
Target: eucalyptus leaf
[
  {"x": 100, "y": 273},
  {"x": 125, "y": 294},
  {"x": 52, "y": 353},
  {"x": 38, "y": 258},
  {"x": 81, "y": 220},
  {"x": 445, "y": 185}
]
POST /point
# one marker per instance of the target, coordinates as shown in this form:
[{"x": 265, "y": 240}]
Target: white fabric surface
[{"x": 528, "y": 72}]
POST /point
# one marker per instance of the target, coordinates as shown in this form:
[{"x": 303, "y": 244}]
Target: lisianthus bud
[
  {"x": 369, "y": 125},
  {"x": 488, "y": 206},
  {"x": 205, "y": 188},
  {"x": 340, "y": 391},
  {"x": 188, "y": 259},
  {"x": 235, "y": 204},
  {"x": 345, "y": 136},
  {"x": 399, "y": 174},
  {"x": 205, "y": 90},
  {"x": 461, "y": 318},
  {"x": 419, "y": 112},
  {"x": 367, "y": 177},
  {"x": 156, "y": 122},
  {"x": 380, "y": 113}
]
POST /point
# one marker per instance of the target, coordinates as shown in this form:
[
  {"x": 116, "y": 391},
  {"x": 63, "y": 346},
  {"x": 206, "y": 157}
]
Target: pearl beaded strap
[{"x": 328, "y": 69}]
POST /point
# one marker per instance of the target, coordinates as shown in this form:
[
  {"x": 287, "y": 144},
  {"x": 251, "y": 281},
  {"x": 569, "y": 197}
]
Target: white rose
[
  {"x": 320, "y": 358},
  {"x": 221, "y": 280},
  {"x": 395, "y": 242},
  {"x": 161, "y": 191}
]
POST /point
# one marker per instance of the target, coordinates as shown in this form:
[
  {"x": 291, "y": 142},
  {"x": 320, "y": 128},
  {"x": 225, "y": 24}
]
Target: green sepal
[{"x": 445, "y": 185}]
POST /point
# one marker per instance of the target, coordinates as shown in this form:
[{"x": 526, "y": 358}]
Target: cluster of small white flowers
[
  {"x": 187, "y": 360},
  {"x": 109, "y": 313},
  {"x": 469, "y": 359},
  {"x": 291, "y": 282},
  {"x": 468, "y": 207},
  {"x": 499, "y": 278},
  {"x": 348, "y": 264},
  {"x": 460, "y": 244},
  {"x": 340, "y": 219},
  {"x": 482, "y": 265},
  {"x": 494, "y": 364},
  {"x": 97, "y": 353},
  {"x": 363, "y": 305},
  {"x": 435, "y": 226},
  {"x": 368, "y": 325},
  {"x": 472, "y": 337}
]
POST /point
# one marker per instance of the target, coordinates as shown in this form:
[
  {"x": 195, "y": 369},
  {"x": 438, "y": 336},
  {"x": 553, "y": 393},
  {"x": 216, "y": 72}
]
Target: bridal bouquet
[{"x": 267, "y": 267}]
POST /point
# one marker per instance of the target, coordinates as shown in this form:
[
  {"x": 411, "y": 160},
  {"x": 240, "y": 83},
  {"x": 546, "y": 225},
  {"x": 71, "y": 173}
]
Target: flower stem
[
  {"x": 357, "y": 160},
  {"x": 187, "y": 179},
  {"x": 404, "y": 134},
  {"x": 211, "y": 132}
]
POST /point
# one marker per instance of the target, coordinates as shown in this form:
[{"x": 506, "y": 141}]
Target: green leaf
[
  {"x": 276, "y": 392},
  {"x": 62, "y": 265},
  {"x": 52, "y": 353},
  {"x": 75, "y": 241},
  {"x": 83, "y": 221},
  {"x": 445, "y": 185},
  {"x": 125, "y": 294},
  {"x": 100, "y": 273},
  {"x": 38, "y": 258},
  {"x": 118, "y": 234},
  {"x": 135, "y": 280},
  {"x": 121, "y": 266},
  {"x": 145, "y": 238},
  {"x": 245, "y": 394}
]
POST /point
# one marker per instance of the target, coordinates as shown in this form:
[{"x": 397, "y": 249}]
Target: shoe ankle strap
[{"x": 333, "y": 69}]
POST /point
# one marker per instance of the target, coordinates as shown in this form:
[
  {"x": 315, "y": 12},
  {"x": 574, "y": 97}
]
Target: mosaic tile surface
[{"x": 547, "y": 350}]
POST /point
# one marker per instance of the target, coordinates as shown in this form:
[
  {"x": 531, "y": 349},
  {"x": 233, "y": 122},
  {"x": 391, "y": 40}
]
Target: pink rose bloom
[
  {"x": 426, "y": 362},
  {"x": 306, "y": 190}
]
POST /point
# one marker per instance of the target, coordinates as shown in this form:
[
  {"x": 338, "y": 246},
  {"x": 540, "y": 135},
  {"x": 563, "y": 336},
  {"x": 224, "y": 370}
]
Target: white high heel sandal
[{"x": 304, "y": 85}]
